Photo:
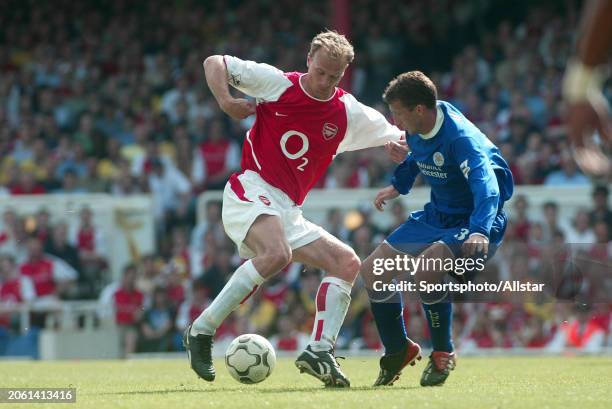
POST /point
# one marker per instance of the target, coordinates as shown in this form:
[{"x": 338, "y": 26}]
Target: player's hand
[
  {"x": 397, "y": 151},
  {"x": 383, "y": 195},
  {"x": 583, "y": 118},
  {"x": 476, "y": 244},
  {"x": 238, "y": 108}
]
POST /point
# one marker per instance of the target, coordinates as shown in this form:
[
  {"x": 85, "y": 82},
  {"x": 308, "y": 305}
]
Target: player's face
[
  {"x": 324, "y": 74},
  {"x": 406, "y": 119}
]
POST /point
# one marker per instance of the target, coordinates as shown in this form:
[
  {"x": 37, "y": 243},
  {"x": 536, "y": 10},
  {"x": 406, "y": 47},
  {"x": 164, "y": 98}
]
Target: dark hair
[
  {"x": 411, "y": 88},
  {"x": 129, "y": 268},
  {"x": 550, "y": 205}
]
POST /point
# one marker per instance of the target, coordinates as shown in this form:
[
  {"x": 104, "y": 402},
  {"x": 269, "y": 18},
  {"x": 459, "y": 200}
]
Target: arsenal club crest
[
  {"x": 329, "y": 131},
  {"x": 264, "y": 200}
]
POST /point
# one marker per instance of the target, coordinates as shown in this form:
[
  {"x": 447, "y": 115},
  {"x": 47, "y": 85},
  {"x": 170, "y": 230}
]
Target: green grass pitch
[{"x": 517, "y": 382}]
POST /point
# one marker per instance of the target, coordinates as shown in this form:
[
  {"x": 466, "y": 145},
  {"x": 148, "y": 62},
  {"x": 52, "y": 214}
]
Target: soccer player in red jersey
[{"x": 303, "y": 121}]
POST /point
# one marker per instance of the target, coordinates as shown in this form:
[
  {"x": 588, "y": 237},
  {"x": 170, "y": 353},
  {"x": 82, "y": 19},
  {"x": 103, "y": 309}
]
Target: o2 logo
[{"x": 301, "y": 152}]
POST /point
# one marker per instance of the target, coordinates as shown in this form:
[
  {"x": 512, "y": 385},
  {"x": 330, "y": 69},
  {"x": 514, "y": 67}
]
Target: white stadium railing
[
  {"x": 72, "y": 329},
  {"x": 320, "y": 201}
]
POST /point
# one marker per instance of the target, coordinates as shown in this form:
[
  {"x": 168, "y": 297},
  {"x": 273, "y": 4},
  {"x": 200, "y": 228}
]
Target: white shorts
[{"x": 246, "y": 196}]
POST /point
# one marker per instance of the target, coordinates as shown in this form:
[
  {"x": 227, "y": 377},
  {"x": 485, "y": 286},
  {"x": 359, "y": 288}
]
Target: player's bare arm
[
  {"x": 594, "y": 46},
  {"x": 587, "y": 109},
  {"x": 216, "y": 78},
  {"x": 388, "y": 193}
]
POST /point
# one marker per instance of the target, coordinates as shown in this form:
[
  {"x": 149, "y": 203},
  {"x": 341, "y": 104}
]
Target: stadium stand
[{"x": 106, "y": 119}]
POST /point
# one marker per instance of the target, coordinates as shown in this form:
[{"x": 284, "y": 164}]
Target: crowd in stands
[
  {"x": 113, "y": 99},
  {"x": 159, "y": 295}
]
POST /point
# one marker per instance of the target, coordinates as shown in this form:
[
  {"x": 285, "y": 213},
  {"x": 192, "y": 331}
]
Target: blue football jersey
[{"x": 465, "y": 170}]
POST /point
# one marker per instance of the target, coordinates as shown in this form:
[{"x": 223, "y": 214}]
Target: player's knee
[
  {"x": 278, "y": 257},
  {"x": 349, "y": 266},
  {"x": 353, "y": 264}
]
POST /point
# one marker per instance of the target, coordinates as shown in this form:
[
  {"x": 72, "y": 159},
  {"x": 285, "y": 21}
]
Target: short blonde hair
[{"x": 336, "y": 45}]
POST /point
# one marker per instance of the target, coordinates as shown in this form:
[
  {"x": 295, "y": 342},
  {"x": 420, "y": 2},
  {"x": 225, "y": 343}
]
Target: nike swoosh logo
[{"x": 277, "y": 114}]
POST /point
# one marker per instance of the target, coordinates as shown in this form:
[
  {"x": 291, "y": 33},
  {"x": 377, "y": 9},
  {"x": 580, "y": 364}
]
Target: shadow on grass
[{"x": 258, "y": 390}]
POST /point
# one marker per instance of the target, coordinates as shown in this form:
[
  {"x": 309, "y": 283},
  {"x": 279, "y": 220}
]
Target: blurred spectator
[
  {"x": 399, "y": 216},
  {"x": 59, "y": 246},
  {"x": 183, "y": 147},
  {"x": 175, "y": 287},
  {"x": 215, "y": 159},
  {"x": 27, "y": 185},
  {"x": 215, "y": 276},
  {"x": 569, "y": 175},
  {"x": 180, "y": 257},
  {"x": 369, "y": 338},
  {"x": 170, "y": 190},
  {"x": 551, "y": 221},
  {"x": 14, "y": 290},
  {"x": 108, "y": 166},
  {"x": 212, "y": 221},
  {"x": 90, "y": 241},
  {"x": 70, "y": 183},
  {"x": 157, "y": 324},
  {"x": 42, "y": 228},
  {"x": 335, "y": 224},
  {"x": 601, "y": 208},
  {"x": 149, "y": 276},
  {"x": 181, "y": 93},
  {"x": 124, "y": 183},
  {"x": 520, "y": 221},
  {"x": 287, "y": 337},
  {"x": 126, "y": 303},
  {"x": 582, "y": 331},
  {"x": 363, "y": 242},
  {"x": 581, "y": 233},
  {"x": 93, "y": 181},
  {"x": 8, "y": 229},
  {"x": 145, "y": 155},
  {"x": 191, "y": 308},
  {"x": 52, "y": 277},
  {"x": 601, "y": 249}
]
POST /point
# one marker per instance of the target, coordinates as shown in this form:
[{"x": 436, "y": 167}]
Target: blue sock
[
  {"x": 390, "y": 323},
  {"x": 439, "y": 319}
]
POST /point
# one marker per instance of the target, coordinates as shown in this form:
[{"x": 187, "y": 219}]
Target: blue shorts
[{"x": 428, "y": 226}]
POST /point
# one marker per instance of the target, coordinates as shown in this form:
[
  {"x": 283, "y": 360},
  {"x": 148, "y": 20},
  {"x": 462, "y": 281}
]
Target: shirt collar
[{"x": 437, "y": 126}]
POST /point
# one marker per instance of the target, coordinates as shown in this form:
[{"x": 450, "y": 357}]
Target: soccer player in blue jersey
[{"x": 470, "y": 182}]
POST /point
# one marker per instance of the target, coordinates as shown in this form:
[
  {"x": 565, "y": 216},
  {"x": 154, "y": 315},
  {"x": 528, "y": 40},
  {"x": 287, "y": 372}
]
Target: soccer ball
[{"x": 250, "y": 358}]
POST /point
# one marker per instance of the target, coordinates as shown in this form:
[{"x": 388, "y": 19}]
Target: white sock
[
  {"x": 333, "y": 299},
  {"x": 243, "y": 283}
]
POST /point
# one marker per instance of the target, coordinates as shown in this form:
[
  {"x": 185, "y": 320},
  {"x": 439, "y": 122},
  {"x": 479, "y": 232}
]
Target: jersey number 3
[
  {"x": 462, "y": 234},
  {"x": 300, "y": 153}
]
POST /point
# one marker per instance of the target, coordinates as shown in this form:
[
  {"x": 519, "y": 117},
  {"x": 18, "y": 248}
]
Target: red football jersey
[
  {"x": 295, "y": 136},
  {"x": 127, "y": 304},
  {"x": 41, "y": 274}
]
